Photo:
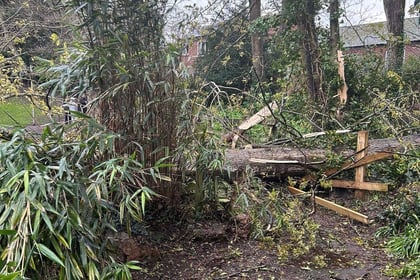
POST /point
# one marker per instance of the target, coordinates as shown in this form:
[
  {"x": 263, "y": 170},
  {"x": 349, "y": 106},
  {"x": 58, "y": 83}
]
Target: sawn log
[{"x": 276, "y": 161}]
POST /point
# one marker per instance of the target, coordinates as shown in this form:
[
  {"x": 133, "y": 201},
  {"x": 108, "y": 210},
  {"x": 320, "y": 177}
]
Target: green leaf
[
  {"x": 47, "y": 221},
  {"x": 44, "y": 250},
  {"x": 36, "y": 224},
  {"x": 11, "y": 184},
  {"x": 62, "y": 240},
  {"x": 76, "y": 268},
  {"x": 7, "y": 232},
  {"x": 93, "y": 272},
  {"x": 10, "y": 276},
  {"x": 133, "y": 265},
  {"x": 74, "y": 218},
  {"x": 62, "y": 167},
  {"x": 111, "y": 178},
  {"x": 143, "y": 202},
  {"x": 26, "y": 181}
]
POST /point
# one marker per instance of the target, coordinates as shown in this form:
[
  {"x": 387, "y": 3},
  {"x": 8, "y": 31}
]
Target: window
[
  {"x": 185, "y": 50},
  {"x": 202, "y": 47}
]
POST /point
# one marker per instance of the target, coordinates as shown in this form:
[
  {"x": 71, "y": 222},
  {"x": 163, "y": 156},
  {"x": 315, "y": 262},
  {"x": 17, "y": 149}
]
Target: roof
[{"x": 376, "y": 33}]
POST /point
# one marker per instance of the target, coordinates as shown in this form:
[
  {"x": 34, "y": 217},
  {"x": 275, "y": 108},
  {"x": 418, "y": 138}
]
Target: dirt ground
[{"x": 345, "y": 249}]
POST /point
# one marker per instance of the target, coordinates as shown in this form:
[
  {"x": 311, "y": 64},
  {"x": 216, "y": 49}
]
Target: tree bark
[
  {"x": 312, "y": 54},
  {"x": 256, "y": 40},
  {"x": 394, "y": 11},
  {"x": 334, "y": 28},
  {"x": 297, "y": 161}
]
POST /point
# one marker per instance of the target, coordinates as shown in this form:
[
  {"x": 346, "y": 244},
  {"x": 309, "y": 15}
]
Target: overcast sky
[{"x": 366, "y": 11}]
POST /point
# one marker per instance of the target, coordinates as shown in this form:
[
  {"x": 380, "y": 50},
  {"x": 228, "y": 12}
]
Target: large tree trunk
[
  {"x": 334, "y": 28},
  {"x": 275, "y": 161},
  {"x": 256, "y": 40},
  {"x": 394, "y": 11},
  {"x": 302, "y": 14}
]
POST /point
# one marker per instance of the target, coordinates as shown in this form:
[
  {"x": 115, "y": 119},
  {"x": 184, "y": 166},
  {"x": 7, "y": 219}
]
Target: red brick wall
[
  {"x": 412, "y": 50},
  {"x": 190, "y": 57}
]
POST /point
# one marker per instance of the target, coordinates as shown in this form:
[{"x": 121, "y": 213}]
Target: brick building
[
  {"x": 372, "y": 37},
  {"x": 194, "y": 48},
  {"x": 356, "y": 39}
]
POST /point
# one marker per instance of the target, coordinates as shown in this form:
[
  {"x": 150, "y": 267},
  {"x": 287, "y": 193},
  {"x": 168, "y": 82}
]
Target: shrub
[
  {"x": 59, "y": 196},
  {"x": 403, "y": 230},
  {"x": 406, "y": 247}
]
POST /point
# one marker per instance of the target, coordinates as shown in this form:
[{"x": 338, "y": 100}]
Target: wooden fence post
[{"x": 362, "y": 143}]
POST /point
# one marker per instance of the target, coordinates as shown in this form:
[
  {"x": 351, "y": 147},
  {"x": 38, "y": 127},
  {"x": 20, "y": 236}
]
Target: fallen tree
[{"x": 282, "y": 161}]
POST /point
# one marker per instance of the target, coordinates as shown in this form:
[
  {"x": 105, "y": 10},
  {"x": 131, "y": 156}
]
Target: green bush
[
  {"x": 406, "y": 247},
  {"x": 411, "y": 73},
  {"x": 402, "y": 227},
  {"x": 407, "y": 244},
  {"x": 59, "y": 196},
  {"x": 276, "y": 214},
  {"x": 402, "y": 213}
]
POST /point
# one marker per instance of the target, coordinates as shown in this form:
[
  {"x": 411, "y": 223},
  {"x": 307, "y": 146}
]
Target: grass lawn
[{"x": 18, "y": 112}]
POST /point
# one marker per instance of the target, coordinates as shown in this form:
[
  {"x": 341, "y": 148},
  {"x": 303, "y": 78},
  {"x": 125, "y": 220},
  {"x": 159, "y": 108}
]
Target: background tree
[
  {"x": 26, "y": 29},
  {"x": 334, "y": 9},
  {"x": 127, "y": 73},
  {"x": 227, "y": 61},
  {"x": 256, "y": 39},
  {"x": 301, "y": 16},
  {"x": 394, "y": 11}
]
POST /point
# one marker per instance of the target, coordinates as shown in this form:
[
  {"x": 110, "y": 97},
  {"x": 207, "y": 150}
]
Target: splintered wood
[
  {"x": 259, "y": 116},
  {"x": 342, "y": 91}
]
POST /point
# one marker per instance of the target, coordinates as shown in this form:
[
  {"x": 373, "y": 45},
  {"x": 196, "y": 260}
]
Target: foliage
[
  {"x": 293, "y": 117},
  {"x": 119, "y": 62},
  {"x": 275, "y": 214},
  {"x": 227, "y": 61},
  {"x": 27, "y": 24},
  {"x": 406, "y": 246},
  {"x": 404, "y": 169},
  {"x": 201, "y": 149},
  {"x": 409, "y": 269},
  {"x": 378, "y": 103},
  {"x": 411, "y": 73},
  {"x": 63, "y": 75},
  {"x": 288, "y": 78},
  {"x": 59, "y": 197},
  {"x": 402, "y": 222},
  {"x": 10, "y": 79},
  {"x": 403, "y": 213}
]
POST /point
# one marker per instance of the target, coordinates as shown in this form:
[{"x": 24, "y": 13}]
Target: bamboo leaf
[
  {"x": 76, "y": 268},
  {"x": 10, "y": 276},
  {"x": 62, "y": 240},
  {"x": 143, "y": 202},
  {"x": 83, "y": 255},
  {"x": 47, "y": 221},
  {"x": 62, "y": 167},
  {"x": 7, "y": 232},
  {"x": 93, "y": 272},
  {"x": 111, "y": 178},
  {"x": 36, "y": 224},
  {"x": 26, "y": 181},
  {"x": 133, "y": 265},
  {"x": 47, "y": 252}
]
